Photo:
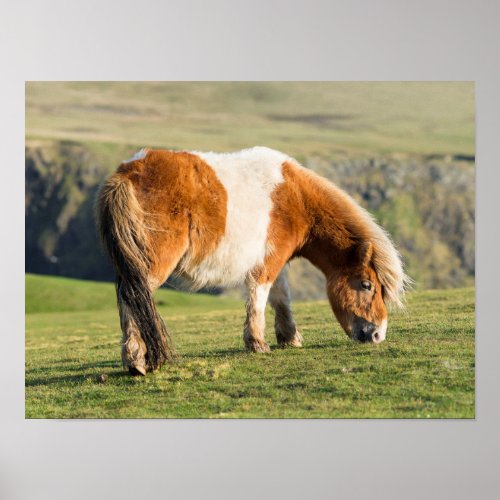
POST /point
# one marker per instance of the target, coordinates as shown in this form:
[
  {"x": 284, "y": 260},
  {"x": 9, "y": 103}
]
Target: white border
[{"x": 257, "y": 40}]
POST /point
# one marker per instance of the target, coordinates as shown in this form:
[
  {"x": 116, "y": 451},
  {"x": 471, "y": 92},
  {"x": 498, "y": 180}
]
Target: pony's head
[{"x": 357, "y": 292}]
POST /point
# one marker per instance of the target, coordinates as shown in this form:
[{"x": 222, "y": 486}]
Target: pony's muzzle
[{"x": 368, "y": 332}]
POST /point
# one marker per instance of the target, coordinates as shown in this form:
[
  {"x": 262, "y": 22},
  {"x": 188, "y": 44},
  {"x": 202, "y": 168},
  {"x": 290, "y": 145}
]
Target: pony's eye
[{"x": 366, "y": 285}]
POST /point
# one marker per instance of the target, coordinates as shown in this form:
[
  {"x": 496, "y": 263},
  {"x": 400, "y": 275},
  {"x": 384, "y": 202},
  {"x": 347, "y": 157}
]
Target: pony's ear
[{"x": 365, "y": 252}]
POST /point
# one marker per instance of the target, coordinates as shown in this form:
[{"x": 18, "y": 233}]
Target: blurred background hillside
[{"x": 405, "y": 151}]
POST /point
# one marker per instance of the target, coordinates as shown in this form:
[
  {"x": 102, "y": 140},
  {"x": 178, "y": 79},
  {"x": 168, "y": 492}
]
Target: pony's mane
[{"x": 386, "y": 259}]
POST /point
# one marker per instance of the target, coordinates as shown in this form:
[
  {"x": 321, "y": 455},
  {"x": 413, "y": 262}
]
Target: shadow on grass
[
  {"x": 89, "y": 372},
  {"x": 42, "y": 376},
  {"x": 216, "y": 353},
  {"x": 242, "y": 351}
]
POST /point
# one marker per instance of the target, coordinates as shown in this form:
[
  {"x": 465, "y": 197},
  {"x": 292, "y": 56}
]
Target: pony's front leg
[
  {"x": 255, "y": 323},
  {"x": 284, "y": 324}
]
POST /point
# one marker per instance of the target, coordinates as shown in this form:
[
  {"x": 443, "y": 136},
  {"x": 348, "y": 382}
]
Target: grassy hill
[
  {"x": 425, "y": 369},
  {"x": 335, "y": 119},
  {"x": 48, "y": 294}
]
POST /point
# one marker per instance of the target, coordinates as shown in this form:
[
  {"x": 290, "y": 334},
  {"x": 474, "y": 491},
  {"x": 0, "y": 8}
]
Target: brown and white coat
[{"x": 221, "y": 219}]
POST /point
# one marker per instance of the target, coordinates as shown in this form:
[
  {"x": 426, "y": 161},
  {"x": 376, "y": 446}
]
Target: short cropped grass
[{"x": 425, "y": 369}]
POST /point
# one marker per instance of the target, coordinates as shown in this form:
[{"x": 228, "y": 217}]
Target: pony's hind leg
[
  {"x": 133, "y": 346},
  {"x": 255, "y": 323},
  {"x": 284, "y": 324}
]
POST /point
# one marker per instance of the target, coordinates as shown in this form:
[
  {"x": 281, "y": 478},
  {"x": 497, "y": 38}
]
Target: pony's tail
[{"x": 121, "y": 225}]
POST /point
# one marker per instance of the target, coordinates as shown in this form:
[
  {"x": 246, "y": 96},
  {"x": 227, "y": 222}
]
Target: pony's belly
[{"x": 229, "y": 264}]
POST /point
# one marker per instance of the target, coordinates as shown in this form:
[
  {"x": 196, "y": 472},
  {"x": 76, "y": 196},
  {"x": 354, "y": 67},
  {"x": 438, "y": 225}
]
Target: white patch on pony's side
[
  {"x": 249, "y": 177},
  {"x": 138, "y": 156}
]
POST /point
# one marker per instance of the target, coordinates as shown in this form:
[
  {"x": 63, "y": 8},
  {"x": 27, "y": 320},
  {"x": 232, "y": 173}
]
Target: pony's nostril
[
  {"x": 364, "y": 337},
  {"x": 367, "y": 332},
  {"x": 376, "y": 337}
]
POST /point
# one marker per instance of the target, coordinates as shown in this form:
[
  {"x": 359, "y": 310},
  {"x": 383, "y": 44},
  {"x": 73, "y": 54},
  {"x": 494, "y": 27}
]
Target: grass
[
  {"x": 425, "y": 369},
  {"x": 334, "y": 119}
]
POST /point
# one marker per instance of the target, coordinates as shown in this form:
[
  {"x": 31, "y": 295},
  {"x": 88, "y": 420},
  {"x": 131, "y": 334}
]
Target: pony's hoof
[
  {"x": 295, "y": 341},
  {"x": 290, "y": 343},
  {"x": 137, "y": 370},
  {"x": 134, "y": 355},
  {"x": 258, "y": 346}
]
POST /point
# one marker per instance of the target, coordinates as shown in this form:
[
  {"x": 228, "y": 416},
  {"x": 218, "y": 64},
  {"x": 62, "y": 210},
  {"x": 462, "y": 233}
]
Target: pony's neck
[{"x": 336, "y": 227}]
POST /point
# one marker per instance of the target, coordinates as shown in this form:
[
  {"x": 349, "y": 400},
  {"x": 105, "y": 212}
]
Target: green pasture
[
  {"x": 333, "y": 119},
  {"x": 425, "y": 369}
]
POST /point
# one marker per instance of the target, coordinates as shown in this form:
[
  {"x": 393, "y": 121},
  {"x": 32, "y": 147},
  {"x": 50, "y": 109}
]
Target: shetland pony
[{"x": 223, "y": 219}]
